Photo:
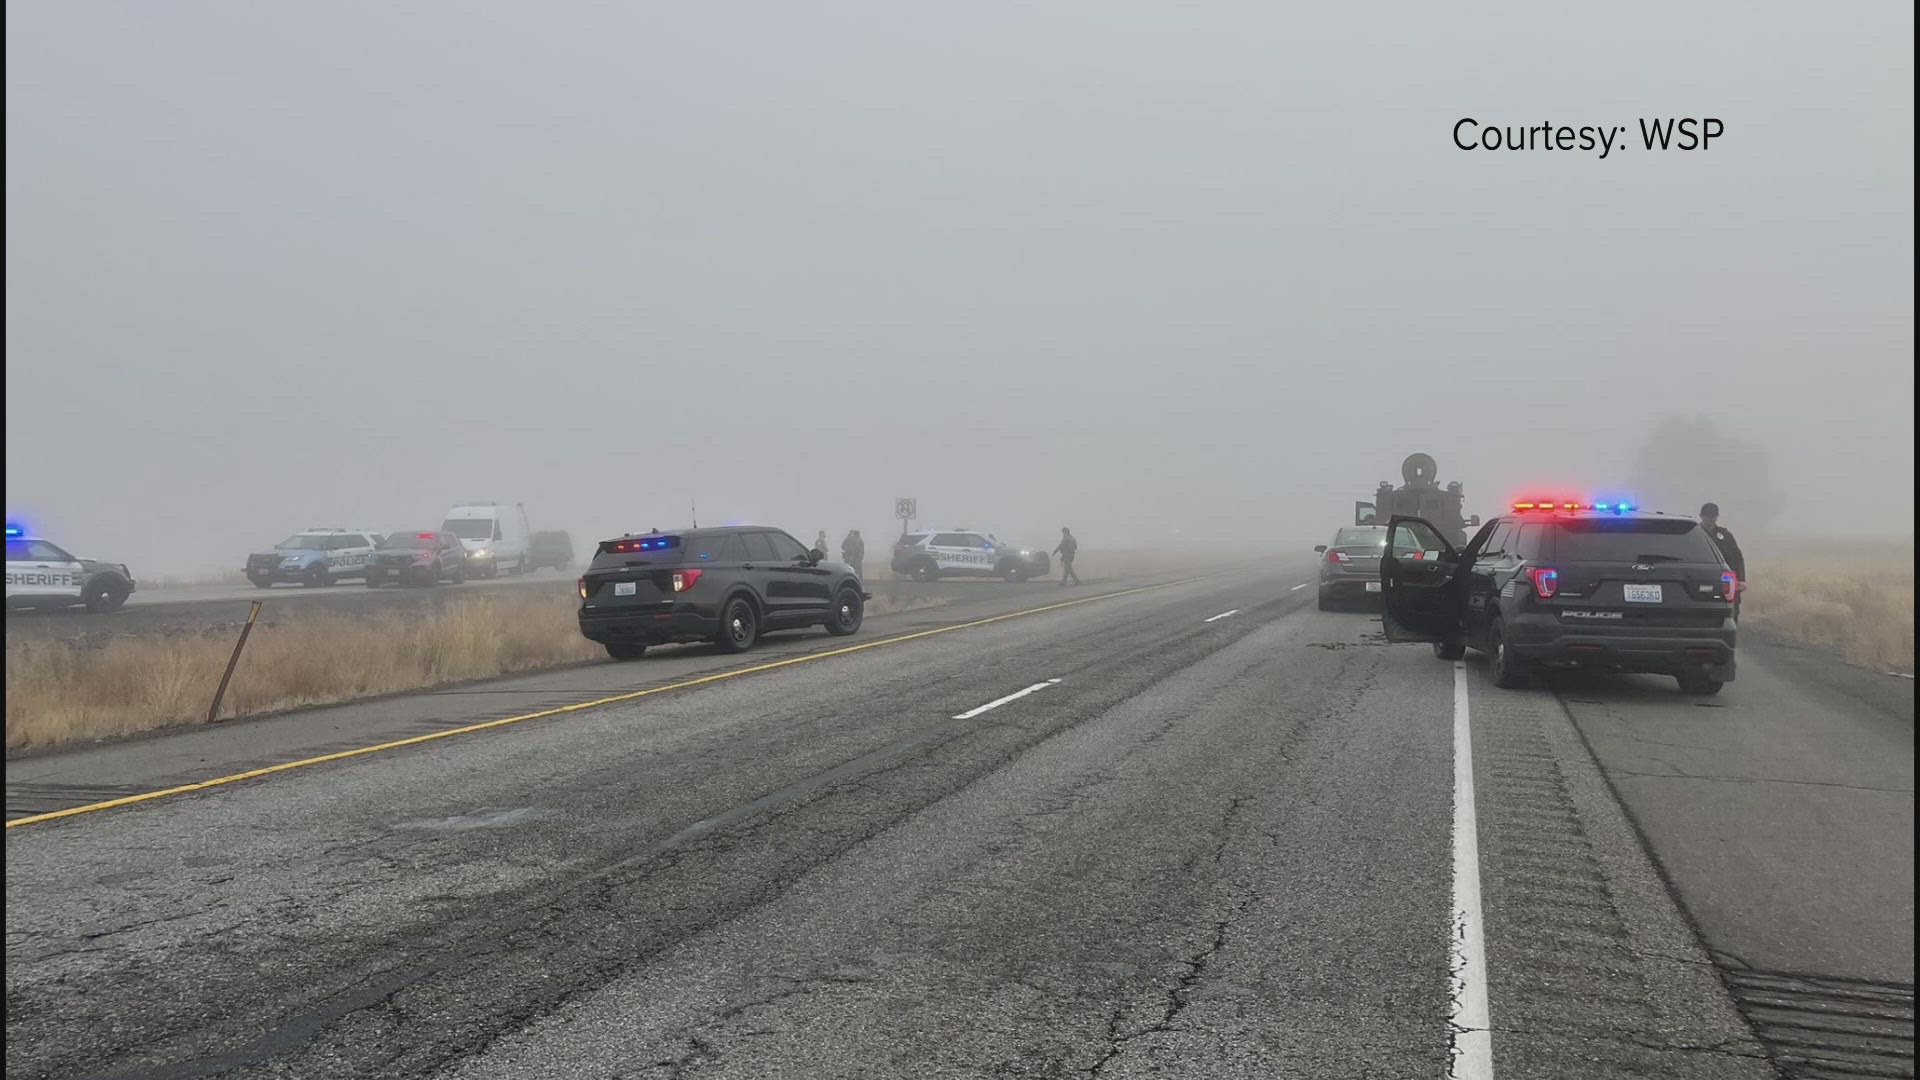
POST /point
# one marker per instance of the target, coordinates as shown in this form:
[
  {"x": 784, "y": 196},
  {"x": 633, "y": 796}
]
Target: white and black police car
[
  {"x": 42, "y": 574},
  {"x": 314, "y": 557},
  {"x": 934, "y": 553}
]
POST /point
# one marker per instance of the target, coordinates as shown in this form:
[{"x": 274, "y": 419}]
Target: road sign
[{"x": 906, "y": 509}]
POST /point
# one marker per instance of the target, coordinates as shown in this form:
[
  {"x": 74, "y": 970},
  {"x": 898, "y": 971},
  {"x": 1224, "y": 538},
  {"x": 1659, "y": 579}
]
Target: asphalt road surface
[{"x": 1181, "y": 829}]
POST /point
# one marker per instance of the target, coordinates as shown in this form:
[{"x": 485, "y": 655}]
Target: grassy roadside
[
  {"x": 1853, "y": 598},
  {"x": 61, "y": 692}
]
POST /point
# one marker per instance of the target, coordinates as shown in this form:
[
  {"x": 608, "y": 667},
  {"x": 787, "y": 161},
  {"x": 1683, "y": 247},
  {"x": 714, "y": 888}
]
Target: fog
[{"x": 1187, "y": 274}]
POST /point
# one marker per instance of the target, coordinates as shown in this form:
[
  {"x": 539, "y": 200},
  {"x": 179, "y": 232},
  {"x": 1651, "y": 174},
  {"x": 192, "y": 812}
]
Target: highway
[{"x": 1155, "y": 826}]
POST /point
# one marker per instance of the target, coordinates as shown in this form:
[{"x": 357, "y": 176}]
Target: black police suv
[
  {"x": 725, "y": 585},
  {"x": 1575, "y": 586},
  {"x": 417, "y": 558}
]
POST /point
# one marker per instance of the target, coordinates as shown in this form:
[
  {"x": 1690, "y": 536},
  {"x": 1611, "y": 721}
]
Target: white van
[{"x": 496, "y": 537}]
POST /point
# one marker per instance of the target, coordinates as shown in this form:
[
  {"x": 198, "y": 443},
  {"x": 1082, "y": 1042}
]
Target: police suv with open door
[{"x": 1564, "y": 584}]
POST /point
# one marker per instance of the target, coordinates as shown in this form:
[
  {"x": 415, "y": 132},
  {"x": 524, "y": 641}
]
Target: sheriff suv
[
  {"x": 725, "y": 585},
  {"x": 1567, "y": 585},
  {"x": 934, "y": 553},
  {"x": 42, "y": 575}
]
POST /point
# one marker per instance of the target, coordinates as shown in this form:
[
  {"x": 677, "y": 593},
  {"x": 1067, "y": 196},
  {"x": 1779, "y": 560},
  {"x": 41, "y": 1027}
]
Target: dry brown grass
[
  {"x": 1855, "y": 598},
  {"x": 61, "y": 692}
]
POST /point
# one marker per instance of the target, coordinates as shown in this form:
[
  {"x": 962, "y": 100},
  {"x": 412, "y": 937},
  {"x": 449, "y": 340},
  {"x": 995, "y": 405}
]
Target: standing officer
[
  {"x": 853, "y": 551},
  {"x": 1068, "y": 546},
  {"x": 1729, "y": 547}
]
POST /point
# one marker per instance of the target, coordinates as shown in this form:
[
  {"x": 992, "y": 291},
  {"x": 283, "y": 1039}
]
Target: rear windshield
[
  {"x": 629, "y": 550},
  {"x": 910, "y": 541},
  {"x": 1634, "y": 540},
  {"x": 409, "y": 540},
  {"x": 1374, "y": 537},
  {"x": 470, "y": 528}
]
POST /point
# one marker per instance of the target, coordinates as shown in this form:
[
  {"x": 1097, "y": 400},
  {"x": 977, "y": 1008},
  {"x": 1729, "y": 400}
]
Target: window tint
[
  {"x": 725, "y": 548},
  {"x": 1628, "y": 540},
  {"x": 1501, "y": 543},
  {"x": 410, "y": 540},
  {"x": 1374, "y": 537},
  {"x": 912, "y": 539},
  {"x": 759, "y": 547},
  {"x": 785, "y": 548},
  {"x": 35, "y": 551},
  {"x": 1532, "y": 539}
]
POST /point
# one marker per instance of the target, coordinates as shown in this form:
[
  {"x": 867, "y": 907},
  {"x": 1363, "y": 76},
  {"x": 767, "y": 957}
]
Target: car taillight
[
  {"x": 1546, "y": 581},
  {"x": 1729, "y": 585},
  {"x": 582, "y": 586},
  {"x": 1336, "y": 556},
  {"x": 685, "y": 579}
]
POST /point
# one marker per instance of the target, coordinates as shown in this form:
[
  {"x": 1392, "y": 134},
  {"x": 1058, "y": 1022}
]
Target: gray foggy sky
[{"x": 1130, "y": 267}]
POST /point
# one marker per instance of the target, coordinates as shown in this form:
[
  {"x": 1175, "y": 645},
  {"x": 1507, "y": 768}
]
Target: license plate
[
  {"x": 624, "y": 588},
  {"x": 1643, "y": 594},
  {"x": 1373, "y": 586}
]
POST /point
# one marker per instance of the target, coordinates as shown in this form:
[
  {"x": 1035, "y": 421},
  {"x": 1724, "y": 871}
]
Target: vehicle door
[
  {"x": 452, "y": 553},
  {"x": 354, "y": 550},
  {"x": 798, "y": 587},
  {"x": 39, "y": 570},
  {"x": 979, "y": 552},
  {"x": 1420, "y": 583},
  {"x": 945, "y": 550},
  {"x": 1490, "y": 562}
]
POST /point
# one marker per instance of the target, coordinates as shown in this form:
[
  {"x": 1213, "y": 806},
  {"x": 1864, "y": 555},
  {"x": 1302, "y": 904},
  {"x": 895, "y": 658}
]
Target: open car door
[{"x": 1421, "y": 587}]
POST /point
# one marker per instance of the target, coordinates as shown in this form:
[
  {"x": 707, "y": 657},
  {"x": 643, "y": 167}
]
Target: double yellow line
[{"x": 253, "y": 774}]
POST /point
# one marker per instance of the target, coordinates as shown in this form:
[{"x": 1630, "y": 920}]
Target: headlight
[{"x": 480, "y": 554}]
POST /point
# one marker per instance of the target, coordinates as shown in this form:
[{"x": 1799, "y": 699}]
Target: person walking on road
[
  {"x": 1729, "y": 548},
  {"x": 1068, "y": 547},
  {"x": 853, "y": 551}
]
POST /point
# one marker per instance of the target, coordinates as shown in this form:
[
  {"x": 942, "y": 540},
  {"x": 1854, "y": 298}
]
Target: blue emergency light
[{"x": 15, "y": 530}]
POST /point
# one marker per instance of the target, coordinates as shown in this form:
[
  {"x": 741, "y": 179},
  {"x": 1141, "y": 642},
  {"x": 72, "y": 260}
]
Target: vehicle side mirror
[{"x": 1319, "y": 547}]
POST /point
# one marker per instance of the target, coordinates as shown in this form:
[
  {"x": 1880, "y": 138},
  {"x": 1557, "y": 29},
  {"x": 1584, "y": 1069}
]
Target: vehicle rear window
[
  {"x": 911, "y": 541},
  {"x": 725, "y": 548},
  {"x": 1360, "y": 538},
  {"x": 651, "y": 548},
  {"x": 1633, "y": 540}
]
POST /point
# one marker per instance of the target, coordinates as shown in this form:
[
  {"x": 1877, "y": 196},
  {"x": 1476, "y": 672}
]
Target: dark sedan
[
  {"x": 424, "y": 558},
  {"x": 1350, "y": 569}
]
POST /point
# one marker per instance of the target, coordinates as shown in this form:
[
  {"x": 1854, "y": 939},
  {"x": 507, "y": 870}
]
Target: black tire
[
  {"x": 626, "y": 650},
  {"x": 1326, "y": 602},
  {"x": 1449, "y": 650},
  {"x": 739, "y": 626},
  {"x": 460, "y": 574},
  {"x": 1699, "y": 683},
  {"x": 926, "y": 571},
  {"x": 373, "y": 583},
  {"x": 848, "y": 612},
  {"x": 261, "y": 583},
  {"x": 1013, "y": 574},
  {"x": 105, "y": 596},
  {"x": 316, "y": 577},
  {"x": 433, "y": 577},
  {"x": 1509, "y": 672}
]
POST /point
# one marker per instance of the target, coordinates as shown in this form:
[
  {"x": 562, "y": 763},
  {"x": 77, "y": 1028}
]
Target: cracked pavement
[{"x": 1211, "y": 850}]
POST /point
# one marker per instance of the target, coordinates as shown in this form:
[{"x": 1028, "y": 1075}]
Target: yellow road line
[{"x": 483, "y": 725}]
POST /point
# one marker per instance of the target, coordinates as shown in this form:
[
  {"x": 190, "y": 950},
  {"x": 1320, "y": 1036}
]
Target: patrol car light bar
[
  {"x": 1548, "y": 506},
  {"x": 646, "y": 543},
  {"x": 15, "y": 530}
]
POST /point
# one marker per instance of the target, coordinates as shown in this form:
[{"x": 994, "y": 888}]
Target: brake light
[
  {"x": 582, "y": 586},
  {"x": 685, "y": 579},
  {"x": 1729, "y": 585},
  {"x": 1336, "y": 556},
  {"x": 1546, "y": 581},
  {"x": 423, "y": 536}
]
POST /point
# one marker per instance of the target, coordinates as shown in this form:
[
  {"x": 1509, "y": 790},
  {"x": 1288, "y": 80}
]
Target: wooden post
[{"x": 213, "y": 712}]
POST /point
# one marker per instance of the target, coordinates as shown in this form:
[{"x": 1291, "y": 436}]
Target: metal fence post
[{"x": 220, "y": 694}]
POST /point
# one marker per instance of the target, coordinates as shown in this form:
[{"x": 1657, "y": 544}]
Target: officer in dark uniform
[{"x": 1729, "y": 547}]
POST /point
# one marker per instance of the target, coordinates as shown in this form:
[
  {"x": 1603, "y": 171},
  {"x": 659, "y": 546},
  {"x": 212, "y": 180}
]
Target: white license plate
[
  {"x": 1643, "y": 594},
  {"x": 1373, "y": 586},
  {"x": 626, "y": 588}
]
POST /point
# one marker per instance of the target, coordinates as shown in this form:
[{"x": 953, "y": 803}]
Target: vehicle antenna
[{"x": 693, "y": 511}]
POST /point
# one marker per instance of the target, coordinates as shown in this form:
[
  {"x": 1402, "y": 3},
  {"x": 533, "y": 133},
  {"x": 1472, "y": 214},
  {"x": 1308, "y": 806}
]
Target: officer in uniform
[
  {"x": 1069, "y": 547},
  {"x": 853, "y": 551},
  {"x": 1729, "y": 547}
]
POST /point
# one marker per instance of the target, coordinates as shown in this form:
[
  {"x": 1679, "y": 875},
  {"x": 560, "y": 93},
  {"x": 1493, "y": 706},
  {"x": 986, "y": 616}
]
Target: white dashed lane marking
[
  {"x": 997, "y": 702},
  {"x": 1300, "y": 586},
  {"x": 1222, "y": 615}
]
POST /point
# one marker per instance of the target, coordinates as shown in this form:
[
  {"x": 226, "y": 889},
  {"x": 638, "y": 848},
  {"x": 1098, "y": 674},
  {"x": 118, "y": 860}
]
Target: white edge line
[
  {"x": 1471, "y": 1041},
  {"x": 997, "y": 702},
  {"x": 1223, "y": 615},
  {"x": 1300, "y": 586}
]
